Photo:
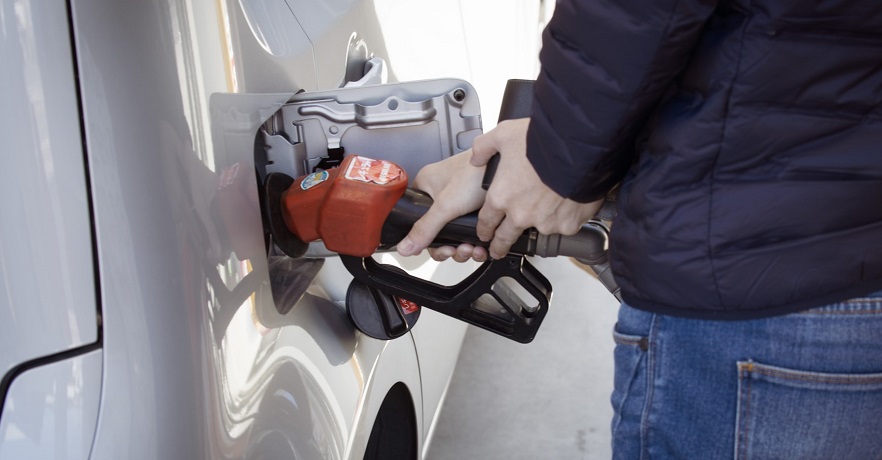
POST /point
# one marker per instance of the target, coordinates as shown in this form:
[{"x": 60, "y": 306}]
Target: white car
[{"x": 144, "y": 310}]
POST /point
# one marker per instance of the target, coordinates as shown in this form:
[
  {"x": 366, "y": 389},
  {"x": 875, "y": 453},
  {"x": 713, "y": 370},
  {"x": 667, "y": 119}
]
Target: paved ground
[{"x": 545, "y": 400}]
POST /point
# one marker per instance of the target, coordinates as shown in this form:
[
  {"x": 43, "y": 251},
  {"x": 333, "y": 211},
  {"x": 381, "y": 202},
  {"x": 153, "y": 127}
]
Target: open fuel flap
[{"x": 411, "y": 124}]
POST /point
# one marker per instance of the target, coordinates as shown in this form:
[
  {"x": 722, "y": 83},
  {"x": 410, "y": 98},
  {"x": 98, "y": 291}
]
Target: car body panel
[
  {"x": 325, "y": 22},
  {"x": 264, "y": 50},
  {"x": 51, "y": 410},
  {"x": 47, "y": 285}
]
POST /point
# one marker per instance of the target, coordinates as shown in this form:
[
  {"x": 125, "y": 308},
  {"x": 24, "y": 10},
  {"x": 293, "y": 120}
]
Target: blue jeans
[{"x": 802, "y": 386}]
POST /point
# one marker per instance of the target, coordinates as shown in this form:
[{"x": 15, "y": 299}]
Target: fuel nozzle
[
  {"x": 346, "y": 206},
  {"x": 364, "y": 205}
]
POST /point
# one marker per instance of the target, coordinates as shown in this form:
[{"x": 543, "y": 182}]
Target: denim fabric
[{"x": 802, "y": 386}]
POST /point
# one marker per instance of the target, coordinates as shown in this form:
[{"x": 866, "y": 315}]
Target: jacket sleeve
[{"x": 605, "y": 66}]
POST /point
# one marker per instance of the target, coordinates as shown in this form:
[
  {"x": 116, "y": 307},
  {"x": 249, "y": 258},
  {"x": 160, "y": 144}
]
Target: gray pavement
[{"x": 545, "y": 400}]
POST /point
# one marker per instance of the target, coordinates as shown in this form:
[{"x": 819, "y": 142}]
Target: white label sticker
[{"x": 313, "y": 179}]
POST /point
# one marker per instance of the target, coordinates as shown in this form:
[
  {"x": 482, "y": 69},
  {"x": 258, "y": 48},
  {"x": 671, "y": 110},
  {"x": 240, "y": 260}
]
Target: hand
[
  {"x": 455, "y": 186},
  {"x": 517, "y": 198}
]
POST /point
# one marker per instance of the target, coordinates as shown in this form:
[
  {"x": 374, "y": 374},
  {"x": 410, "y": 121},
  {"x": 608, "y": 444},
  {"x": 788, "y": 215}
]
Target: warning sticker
[
  {"x": 407, "y": 306},
  {"x": 377, "y": 171},
  {"x": 313, "y": 179}
]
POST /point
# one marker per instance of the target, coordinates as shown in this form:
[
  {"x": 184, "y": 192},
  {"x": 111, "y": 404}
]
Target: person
[{"x": 747, "y": 138}]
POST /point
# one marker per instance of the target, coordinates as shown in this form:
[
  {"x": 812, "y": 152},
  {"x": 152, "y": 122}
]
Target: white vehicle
[{"x": 144, "y": 311}]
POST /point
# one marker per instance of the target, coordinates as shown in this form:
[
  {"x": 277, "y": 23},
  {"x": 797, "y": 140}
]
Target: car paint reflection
[{"x": 285, "y": 354}]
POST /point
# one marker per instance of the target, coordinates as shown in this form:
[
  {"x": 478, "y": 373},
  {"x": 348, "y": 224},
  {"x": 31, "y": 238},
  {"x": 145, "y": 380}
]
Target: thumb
[
  {"x": 483, "y": 148},
  {"x": 423, "y": 232}
]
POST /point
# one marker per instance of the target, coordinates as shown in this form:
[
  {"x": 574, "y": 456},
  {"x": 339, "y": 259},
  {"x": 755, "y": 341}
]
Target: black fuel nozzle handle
[
  {"x": 490, "y": 171},
  {"x": 482, "y": 299},
  {"x": 589, "y": 244}
]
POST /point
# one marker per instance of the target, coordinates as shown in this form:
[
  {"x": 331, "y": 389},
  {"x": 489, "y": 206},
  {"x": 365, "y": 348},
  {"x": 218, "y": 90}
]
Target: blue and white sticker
[{"x": 313, "y": 179}]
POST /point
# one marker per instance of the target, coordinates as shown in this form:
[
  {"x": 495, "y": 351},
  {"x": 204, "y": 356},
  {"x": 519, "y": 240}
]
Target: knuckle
[
  {"x": 441, "y": 254},
  {"x": 506, "y": 237},
  {"x": 482, "y": 145},
  {"x": 520, "y": 220},
  {"x": 507, "y": 240}
]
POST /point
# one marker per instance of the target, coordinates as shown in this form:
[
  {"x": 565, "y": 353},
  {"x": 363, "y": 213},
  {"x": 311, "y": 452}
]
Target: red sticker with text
[
  {"x": 377, "y": 171},
  {"x": 407, "y": 306}
]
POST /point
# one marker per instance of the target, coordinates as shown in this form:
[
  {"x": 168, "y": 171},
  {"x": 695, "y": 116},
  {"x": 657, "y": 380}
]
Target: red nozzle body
[{"x": 345, "y": 206}]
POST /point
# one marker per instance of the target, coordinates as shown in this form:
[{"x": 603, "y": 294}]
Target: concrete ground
[{"x": 545, "y": 400}]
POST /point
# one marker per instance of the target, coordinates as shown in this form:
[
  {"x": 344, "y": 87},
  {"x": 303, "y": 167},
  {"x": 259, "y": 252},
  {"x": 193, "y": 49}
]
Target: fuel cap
[{"x": 378, "y": 314}]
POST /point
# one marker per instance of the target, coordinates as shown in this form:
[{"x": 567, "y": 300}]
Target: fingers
[
  {"x": 443, "y": 253},
  {"x": 423, "y": 232},
  {"x": 483, "y": 148},
  {"x": 455, "y": 185},
  {"x": 462, "y": 253},
  {"x": 500, "y": 139},
  {"x": 480, "y": 254},
  {"x": 506, "y": 235},
  {"x": 489, "y": 217}
]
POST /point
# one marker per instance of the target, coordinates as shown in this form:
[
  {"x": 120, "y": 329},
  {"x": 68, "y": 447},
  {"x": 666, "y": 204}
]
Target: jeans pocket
[
  {"x": 629, "y": 393},
  {"x": 794, "y": 414}
]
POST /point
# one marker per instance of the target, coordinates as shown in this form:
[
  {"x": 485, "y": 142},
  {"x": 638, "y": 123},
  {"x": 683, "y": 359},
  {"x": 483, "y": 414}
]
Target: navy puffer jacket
[{"x": 747, "y": 136}]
